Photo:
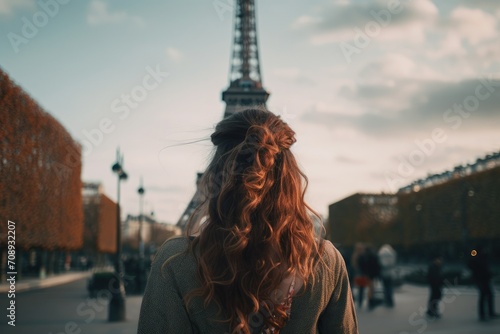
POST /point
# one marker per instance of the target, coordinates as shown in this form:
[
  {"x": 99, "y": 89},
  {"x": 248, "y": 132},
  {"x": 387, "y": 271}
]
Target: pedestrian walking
[
  {"x": 435, "y": 280},
  {"x": 481, "y": 274},
  {"x": 347, "y": 256},
  {"x": 256, "y": 251},
  {"x": 387, "y": 257},
  {"x": 369, "y": 266},
  {"x": 360, "y": 280}
]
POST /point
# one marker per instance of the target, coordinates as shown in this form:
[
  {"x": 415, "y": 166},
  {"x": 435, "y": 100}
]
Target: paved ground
[
  {"x": 66, "y": 309},
  {"x": 459, "y": 309}
]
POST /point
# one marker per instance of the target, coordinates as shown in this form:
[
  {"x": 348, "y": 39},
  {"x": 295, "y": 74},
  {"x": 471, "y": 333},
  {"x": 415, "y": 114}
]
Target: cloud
[
  {"x": 397, "y": 66},
  {"x": 441, "y": 96},
  {"x": 430, "y": 104},
  {"x": 489, "y": 5},
  {"x": 388, "y": 84},
  {"x": 99, "y": 13},
  {"x": 489, "y": 53},
  {"x": 474, "y": 25},
  {"x": 7, "y": 7},
  {"x": 449, "y": 46},
  {"x": 340, "y": 21},
  {"x": 174, "y": 54},
  {"x": 411, "y": 22}
]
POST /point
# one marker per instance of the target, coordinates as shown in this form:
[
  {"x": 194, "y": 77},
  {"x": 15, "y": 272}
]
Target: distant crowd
[{"x": 368, "y": 266}]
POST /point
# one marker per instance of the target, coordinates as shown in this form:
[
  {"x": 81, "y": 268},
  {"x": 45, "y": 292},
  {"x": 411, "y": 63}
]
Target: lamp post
[
  {"x": 420, "y": 233},
  {"x": 117, "y": 301},
  {"x": 468, "y": 192},
  {"x": 140, "y": 191}
]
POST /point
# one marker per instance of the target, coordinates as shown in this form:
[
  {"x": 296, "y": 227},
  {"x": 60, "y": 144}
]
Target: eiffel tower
[{"x": 245, "y": 83}]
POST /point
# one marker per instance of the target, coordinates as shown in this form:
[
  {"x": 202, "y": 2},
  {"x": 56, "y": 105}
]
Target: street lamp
[
  {"x": 117, "y": 301},
  {"x": 140, "y": 191}
]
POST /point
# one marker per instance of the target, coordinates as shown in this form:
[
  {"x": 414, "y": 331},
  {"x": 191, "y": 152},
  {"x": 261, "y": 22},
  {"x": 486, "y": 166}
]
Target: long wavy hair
[{"x": 258, "y": 228}]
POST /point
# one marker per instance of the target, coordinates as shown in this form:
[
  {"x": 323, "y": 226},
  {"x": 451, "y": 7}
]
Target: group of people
[{"x": 367, "y": 266}]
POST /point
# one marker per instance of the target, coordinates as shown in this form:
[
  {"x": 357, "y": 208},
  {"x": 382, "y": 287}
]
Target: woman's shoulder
[
  {"x": 330, "y": 253},
  {"x": 173, "y": 247},
  {"x": 332, "y": 260}
]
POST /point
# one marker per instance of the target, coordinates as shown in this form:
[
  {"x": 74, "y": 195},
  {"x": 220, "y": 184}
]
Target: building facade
[{"x": 450, "y": 217}]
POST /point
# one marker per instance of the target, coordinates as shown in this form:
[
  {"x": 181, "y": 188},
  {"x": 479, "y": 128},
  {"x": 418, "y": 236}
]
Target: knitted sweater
[{"x": 326, "y": 308}]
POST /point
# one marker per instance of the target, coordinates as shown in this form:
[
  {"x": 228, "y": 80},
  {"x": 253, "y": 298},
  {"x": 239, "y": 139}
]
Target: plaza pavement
[{"x": 66, "y": 308}]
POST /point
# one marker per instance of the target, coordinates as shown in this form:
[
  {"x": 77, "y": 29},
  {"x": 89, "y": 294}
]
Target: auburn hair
[{"x": 258, "y": 228}]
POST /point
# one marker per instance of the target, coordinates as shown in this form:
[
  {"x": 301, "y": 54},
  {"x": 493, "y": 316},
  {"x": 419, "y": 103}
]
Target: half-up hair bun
[
  {"x": 266, "y": 139},
  {"x": 271, "y": 136},
  {"x": 254, "y": 132},
  {"x": 262, "y": 142}
]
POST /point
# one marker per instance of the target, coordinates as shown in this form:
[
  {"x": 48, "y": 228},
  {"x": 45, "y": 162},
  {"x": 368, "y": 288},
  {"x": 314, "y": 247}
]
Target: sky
[{"x": 379, "y": 93}]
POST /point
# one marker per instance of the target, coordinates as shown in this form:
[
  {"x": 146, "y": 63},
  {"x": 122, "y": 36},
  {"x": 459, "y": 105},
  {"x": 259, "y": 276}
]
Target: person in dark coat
[
  {"x": 435, "y": 279},
  {"x": 481, "y": 274},
  {"x": 369, "y": 266},
  {"x": 359, "y": 280}
]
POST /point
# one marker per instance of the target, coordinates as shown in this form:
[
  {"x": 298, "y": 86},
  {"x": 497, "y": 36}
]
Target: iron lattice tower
[{"x": 245, "y": 82}]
